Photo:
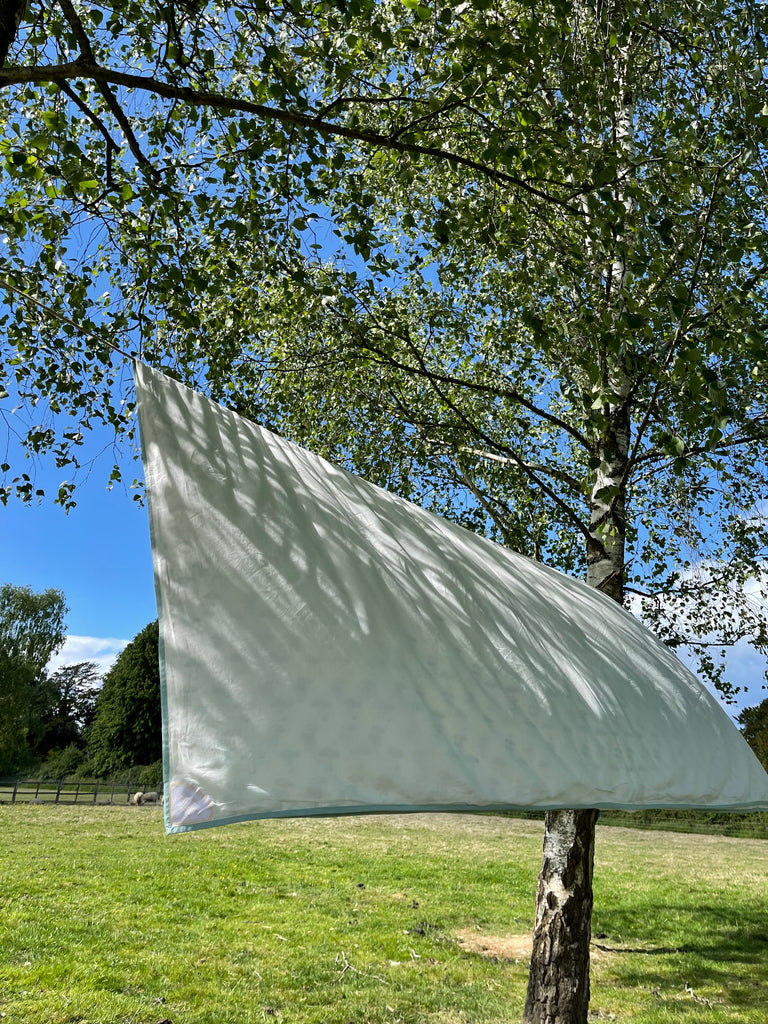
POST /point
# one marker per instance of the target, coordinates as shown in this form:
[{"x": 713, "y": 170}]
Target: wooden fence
[
  {"x": 94, "y": 791},
  {"x": 747, "y": 825},
  {"x": 86, "y": 792}
]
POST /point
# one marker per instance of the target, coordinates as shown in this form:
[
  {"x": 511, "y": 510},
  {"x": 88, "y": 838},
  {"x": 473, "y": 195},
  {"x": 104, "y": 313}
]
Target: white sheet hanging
[{"x": 328, "y": 648}]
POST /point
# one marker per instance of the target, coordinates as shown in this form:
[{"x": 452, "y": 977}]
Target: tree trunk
[{"x": 558, "y": 983}]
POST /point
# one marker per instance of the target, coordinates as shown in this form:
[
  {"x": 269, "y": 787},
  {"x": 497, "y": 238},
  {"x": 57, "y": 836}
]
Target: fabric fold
[{"x": 329, "y": 648}]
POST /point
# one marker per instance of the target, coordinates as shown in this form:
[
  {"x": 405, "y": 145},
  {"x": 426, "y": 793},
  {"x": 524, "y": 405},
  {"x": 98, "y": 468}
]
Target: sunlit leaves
[{"x": 465, "y": 323}]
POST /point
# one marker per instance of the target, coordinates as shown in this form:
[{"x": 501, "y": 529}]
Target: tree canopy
[
  {"x": 44, "y": 716},
  {"x": 31, "y": 631},
  {"x": 126, "y": 727},
  {"x": 483, "y": 243},
  {"x": 66, "y": 721},
  {"x": 133, "y": 132},
  {"x": 754, "y": 726},
  {"x": 508, "y": 259},
  {"x": 71, "y": 695}
]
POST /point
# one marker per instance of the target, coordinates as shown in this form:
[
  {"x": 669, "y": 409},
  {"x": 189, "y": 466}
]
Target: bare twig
[
  {"x": 342, "y": 958},
  {"x": 695, "y": 998}
]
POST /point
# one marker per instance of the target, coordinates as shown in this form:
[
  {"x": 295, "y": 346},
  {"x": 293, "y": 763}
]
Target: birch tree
[
  {"x": 589, "y": 389},
  {"x": 507, "y": 260}
]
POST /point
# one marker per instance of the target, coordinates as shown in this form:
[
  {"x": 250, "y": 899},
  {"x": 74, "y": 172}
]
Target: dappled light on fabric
[{"x": 329, "y": 648}]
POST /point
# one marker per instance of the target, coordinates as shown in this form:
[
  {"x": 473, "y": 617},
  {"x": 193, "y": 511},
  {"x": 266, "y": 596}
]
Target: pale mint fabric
[{"x": 328, "y": 648}]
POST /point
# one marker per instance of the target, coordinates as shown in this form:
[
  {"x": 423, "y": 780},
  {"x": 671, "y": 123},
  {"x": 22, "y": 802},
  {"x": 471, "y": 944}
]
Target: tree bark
[
  {"x": 11, "y": 13},
  {"x": 558, "y": 983},
  {"x": 608, "y": 518}
]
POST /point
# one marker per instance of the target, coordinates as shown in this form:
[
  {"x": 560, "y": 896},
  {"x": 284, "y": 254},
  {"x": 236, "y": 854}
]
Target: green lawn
[{"x": 105, "y": 920}]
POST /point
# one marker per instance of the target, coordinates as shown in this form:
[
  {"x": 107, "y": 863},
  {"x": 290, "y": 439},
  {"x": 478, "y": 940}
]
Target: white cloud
[{"x": 101, "y": 650}]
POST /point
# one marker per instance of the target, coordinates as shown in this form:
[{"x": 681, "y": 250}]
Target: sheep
[{"x": 140, "y": 798}]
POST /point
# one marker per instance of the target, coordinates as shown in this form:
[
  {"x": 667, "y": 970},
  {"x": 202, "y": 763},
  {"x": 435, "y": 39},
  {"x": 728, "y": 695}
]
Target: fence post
[
  {"x": 15, "y": 789},
  {"x": 37, "y": 791},
  {"x": 95, "y": 790},
  {"x": 77, "y": 792},
  {"x": 58, "y": 790}
]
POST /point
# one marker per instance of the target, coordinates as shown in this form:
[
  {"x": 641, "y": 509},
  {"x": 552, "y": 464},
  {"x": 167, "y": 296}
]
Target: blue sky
[{"x": 98, "y": 554}]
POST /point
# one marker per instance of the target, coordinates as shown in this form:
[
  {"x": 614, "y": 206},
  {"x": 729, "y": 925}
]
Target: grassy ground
[{"x": 105, "y": 920}]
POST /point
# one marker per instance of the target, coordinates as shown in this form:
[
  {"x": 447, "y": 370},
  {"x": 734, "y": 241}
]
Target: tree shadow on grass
[{"x": 717, "y": 952}]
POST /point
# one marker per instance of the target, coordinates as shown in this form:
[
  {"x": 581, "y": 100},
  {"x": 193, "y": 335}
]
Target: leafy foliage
[
  {"x": 63, "y": 762},
  {"x": 754, "y": 726},
  {"x": 246, "y": 120},
  {"x": 126, "y": 725},
  {"x": 31, "y": 631},
  {"x": 509, "y": 261},
  {"x": 42, "y": 716},
  {"x": 69, "y": 705}
]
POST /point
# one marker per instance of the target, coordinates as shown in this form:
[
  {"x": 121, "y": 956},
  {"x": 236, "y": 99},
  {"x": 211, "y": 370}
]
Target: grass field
[{"x": 105, "y": 920}]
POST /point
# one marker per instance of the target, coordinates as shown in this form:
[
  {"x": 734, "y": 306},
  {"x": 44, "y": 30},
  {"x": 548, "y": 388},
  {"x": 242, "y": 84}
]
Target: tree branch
[
  {"x": 11, "y": 13},
  {"x": 556, "y": 474},
  {"x": 89, "y": 69},
  {"x": 63, "y": 318},
  {"x": 88, "y": 57},
  {"x": 722, "y": 446},
  {"x": 508, "y": 393},
  {"x": 513, "y": 457},
  {"x": 486, "y": 504},
  {"x": 112, "y": 146}
]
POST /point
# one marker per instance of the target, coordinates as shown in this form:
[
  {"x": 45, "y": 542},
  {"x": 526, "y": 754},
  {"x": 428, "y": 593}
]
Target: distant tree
[
  {"x": 70, "y": 704},
  {"x": 754, "y": 728},
  {"x": 31, "y": 630},
  {"x": 126, "y": 724},
  {"x": 61, "y": 764}
]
